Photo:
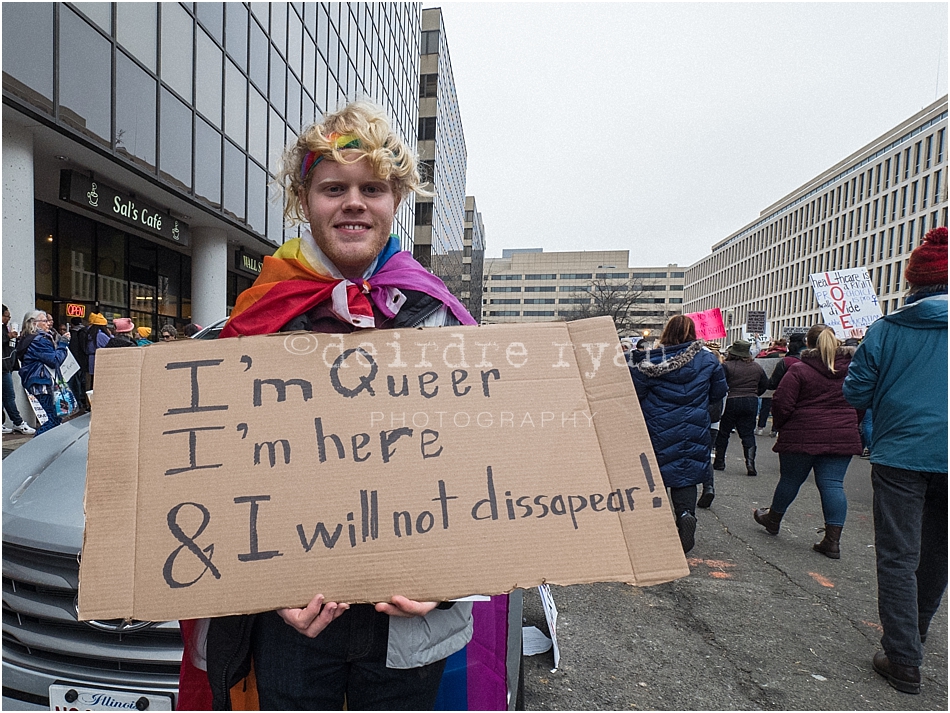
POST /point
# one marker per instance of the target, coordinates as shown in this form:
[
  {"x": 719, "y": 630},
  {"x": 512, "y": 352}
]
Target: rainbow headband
[{"x": 337, "y": 141}]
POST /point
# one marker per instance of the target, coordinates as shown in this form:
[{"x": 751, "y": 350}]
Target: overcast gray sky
[{"x": 663, "y": 127}]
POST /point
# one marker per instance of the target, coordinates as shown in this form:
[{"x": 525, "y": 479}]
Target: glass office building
[
  {"x": 440, "y": 220},
  {"x": 140, "y": 141}
]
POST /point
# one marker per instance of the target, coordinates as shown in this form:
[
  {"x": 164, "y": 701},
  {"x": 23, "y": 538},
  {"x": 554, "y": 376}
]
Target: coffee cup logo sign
[
  {"x": 93, "y": 197},
  {"x": 175, "y": 231}
]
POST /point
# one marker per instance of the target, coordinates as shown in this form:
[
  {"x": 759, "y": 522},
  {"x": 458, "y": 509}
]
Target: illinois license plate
[{"x": 83, "y": 698}]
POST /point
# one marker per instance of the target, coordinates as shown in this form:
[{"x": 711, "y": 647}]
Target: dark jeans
[
  {"x": 345, "y": 663},
  {"x": 740, "y": 415},
  {"x": 683, "y": 499},
  {"x": 866, "y": 429},
  {"x": 9, "y": 399},
  {"x": 910, "y": 539},
  {"x": 765, "y": 406},
  {"x": 829, "y": 477},
  {"x": 52, "y": 420}
]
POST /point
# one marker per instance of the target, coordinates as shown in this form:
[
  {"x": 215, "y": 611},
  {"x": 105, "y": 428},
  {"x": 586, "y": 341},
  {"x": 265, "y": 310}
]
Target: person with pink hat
[
  {"x": 124, "y": 329},
  {"x": 900, "y": 373}
]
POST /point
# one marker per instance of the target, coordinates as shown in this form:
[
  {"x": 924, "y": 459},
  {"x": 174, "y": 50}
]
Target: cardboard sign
[
  {"x": 709, "y": 324},
  {"x": 847, "y": 299},
  {"x": 755, "y": 322},
  {"x": 250, "y": 474}
]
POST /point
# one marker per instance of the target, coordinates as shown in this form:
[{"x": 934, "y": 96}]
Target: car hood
[{"x": 44, "y": 483}]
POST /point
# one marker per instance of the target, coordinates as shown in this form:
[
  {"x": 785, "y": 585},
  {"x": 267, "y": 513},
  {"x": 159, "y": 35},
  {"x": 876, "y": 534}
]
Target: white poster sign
[{"x": 847, "y": 299}]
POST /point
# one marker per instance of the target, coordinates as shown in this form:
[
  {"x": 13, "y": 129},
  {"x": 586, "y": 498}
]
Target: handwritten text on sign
[
  {"x": 847, "y": 299},
  {"x": 273, "y": 458}
]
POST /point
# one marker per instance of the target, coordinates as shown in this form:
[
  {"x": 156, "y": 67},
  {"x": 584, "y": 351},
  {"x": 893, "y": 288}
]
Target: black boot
[
  {"x": 709, "y": 492},
  {"x": 830, "y": 546},
  {"x": 769, "y": 519},
  {"x": 719, "y": 462},
  {"x": 749, "y": 460}
]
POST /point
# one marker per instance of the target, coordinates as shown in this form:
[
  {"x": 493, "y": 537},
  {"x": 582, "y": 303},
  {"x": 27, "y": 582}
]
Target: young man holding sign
[{"x": 344, "y": 179}]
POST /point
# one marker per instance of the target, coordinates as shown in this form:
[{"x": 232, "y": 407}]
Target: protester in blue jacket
[
  {"x": 900, "y": 373},
  {"x": 675, "y": 384},
  {"x": 39, "y": 351}
]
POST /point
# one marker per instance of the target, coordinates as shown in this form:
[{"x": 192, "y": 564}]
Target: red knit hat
[{"x": 928, "y": 263}]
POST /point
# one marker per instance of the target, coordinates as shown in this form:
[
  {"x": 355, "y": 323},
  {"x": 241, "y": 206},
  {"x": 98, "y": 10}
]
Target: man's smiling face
[{"x": 351, "y": 213}]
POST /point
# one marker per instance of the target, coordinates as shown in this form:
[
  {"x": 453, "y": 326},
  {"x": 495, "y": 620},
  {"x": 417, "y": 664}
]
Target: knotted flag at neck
[{"x": 294, "y": 280}]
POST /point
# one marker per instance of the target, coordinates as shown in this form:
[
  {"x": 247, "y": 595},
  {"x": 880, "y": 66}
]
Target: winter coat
[
  {"x": 96, "y": 338},
  {"x": 9, "y": 363},
  {"x": 120, "y": 340},
  {"x": 745, "y": 378},
  {"x": 900, "y": 373},
  {"x": 809, "y": 411},
  {"x": 36, "y": 352},
  {"x": 675, "y": 385}
]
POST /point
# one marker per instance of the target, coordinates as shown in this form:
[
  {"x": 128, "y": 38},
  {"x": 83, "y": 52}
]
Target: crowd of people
[
  {"x": 884, "y": 397},
  {"x": 344, "y": 180},
  {"x": 38, "y": 351}
]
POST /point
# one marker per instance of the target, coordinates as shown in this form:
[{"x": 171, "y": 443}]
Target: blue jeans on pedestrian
[
  {"x": 865, "y": 429},
  {"x": 346, "y": 662},
  {"x": 829, "y": 477},
  {"x": 9, "y": 399},
  {"x": 765, "y": 407},
  {"x": 52, "y": 420},
  {"x": 910, "y": 540}
]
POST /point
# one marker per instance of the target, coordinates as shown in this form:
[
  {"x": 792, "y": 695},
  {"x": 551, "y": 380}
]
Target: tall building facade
[
  {"x": 473, "y": 259},
  {"x": 440, "y": 220},
  {"x": 869, "y": 210},
  {"x": 140, "y": 141},
  {"x": 530, "y": 285}
]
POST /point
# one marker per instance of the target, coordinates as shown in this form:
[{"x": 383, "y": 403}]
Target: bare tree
[{"x": 617, "y": 299}]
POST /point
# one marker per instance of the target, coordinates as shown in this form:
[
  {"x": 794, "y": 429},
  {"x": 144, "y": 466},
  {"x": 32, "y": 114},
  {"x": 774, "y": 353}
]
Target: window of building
[
  {"x": 424, "y": 213},
  {"x": 428, "y": 85},
  {"x": 913, "y": 197},
  {"x": 505, "y": 277},
  {"x": 577, "y": 276},
  {"x": 679, "y": 274},
  {"x": 134, "y": 111},
  {"x": 543, "y": 288},
  {"x": 653, "y": 288},
  {"x": 541, "y": 276},
  {"x": 539, "y": 301},
  {"x": 574, "y": 301},
  {"x": 176, "y": 152},
  {"x": 573, "y": 288},
  {"x": 611, "y": 275},
  {"x": 647, "y": 275},
  {"x": 938, "y": 174},
  {"x": 429, "y": 42},
  {"x": 917, "y": 148},
  {"x": 426, "y": 128},
  {"x": 940, "y": 135},
  {"x": 906, "y": 163},
  {"x": 505, "y": 313},
  {"x": 505, "y": 302},
  {"x": 924, "y": 192},
  {"x": 85, "y": 87},
  {"x": 506, "y": 289},
  {"x": 538, "y": 313}
]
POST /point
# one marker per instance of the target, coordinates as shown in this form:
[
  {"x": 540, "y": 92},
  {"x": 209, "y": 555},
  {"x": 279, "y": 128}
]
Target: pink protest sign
[{"x": 709, "y": 324}]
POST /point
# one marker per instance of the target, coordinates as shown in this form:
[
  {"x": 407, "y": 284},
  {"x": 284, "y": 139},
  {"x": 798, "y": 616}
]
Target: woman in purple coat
[{"x": 818, "y": 430}]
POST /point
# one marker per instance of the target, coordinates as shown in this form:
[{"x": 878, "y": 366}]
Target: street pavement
[{"x": 761, "y": 622}]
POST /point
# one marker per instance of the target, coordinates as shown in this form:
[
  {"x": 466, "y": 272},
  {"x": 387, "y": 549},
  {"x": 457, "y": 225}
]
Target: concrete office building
[
  {"x": 440, "y": 220},
  {"x": 139, "y": 140},
  {"x": 530, "y": 285},
  {"x": 869, "y": 210},
  {"x": 473, "y": 259}
]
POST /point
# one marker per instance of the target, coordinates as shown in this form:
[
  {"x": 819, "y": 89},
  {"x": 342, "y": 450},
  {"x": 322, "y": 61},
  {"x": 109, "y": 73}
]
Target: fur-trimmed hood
[{"x": 666, "y": 366}]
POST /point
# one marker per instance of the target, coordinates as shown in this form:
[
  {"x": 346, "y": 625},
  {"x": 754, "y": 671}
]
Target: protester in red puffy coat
[{"x": 818, "y": 430}]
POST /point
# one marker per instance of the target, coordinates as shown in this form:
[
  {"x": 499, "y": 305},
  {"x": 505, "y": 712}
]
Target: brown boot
[
  {"x": 769, "y": 519},
  {"x": 829, "y": 546}
]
